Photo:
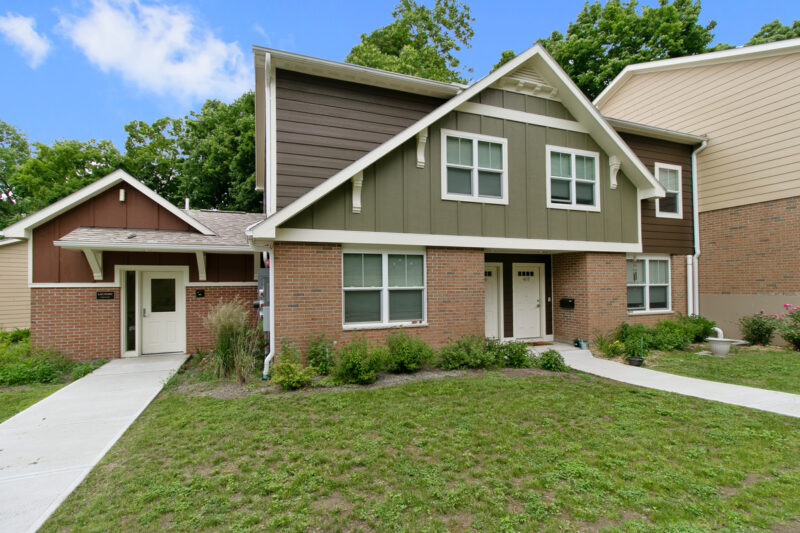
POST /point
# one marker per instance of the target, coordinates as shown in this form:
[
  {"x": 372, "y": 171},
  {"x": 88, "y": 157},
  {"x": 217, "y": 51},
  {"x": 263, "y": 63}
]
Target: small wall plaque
[
  {"x": 567, "y": 303},
  {"x": 200, "y": 293},
  {"x": 104, "y": 295}
]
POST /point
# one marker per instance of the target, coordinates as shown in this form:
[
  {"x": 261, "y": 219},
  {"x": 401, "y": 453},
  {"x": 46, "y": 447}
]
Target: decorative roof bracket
[
  {"x": 422, "y": 138},
  {"x": 358, "y": 181},
  {"x": 613, "y": 167}
]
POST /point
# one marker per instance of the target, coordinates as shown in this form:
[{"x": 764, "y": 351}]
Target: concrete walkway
[
  {"x": 47, "y": 449},
  {"x": 782, "y": 403}
]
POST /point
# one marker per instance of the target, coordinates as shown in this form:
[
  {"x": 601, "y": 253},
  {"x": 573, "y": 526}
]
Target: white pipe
[
  {"x": 270, "y": 259},
  {"x": 696, "y": 220},
  {"x": 689, "y": 284}
]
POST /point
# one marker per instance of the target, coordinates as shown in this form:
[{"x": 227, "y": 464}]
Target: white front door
[
  {"x": 163, "y": 313},
  {"x": 492, "y": 306},
  {"x": 528, "y": 293}
]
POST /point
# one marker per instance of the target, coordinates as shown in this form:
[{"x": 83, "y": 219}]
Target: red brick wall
[
  {"x": 752, "y": 249},
  {"x": 198, "y": 336},
  {"x": 308, "y": 295},
  {"x": 74, "y": 322},
  {"x": 597, "y": 282}
]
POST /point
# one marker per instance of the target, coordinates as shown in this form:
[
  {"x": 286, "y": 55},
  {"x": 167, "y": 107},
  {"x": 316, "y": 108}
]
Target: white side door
[
  {"x": 163, "y": 313},
  {"x": 491, "y": 276},
  {"x": 527, "y": 293}
]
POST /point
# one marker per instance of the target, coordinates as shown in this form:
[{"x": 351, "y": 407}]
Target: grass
[
  {"x": 16, "y": 399},
  {"x": 545, "y": 453},
  {"x": 775, "y": 369}
]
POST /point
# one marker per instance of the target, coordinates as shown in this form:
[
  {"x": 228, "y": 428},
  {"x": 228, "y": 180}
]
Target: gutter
[{"x": 696, "y": 220}]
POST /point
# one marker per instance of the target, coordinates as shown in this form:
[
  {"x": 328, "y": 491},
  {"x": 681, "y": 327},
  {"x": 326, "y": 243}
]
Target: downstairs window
[{"x": 648, "y": 284}]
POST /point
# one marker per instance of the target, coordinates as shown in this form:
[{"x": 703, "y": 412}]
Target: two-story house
[
  {"x": 747, "y": 102},
  {"x": 509, "y": 208}
]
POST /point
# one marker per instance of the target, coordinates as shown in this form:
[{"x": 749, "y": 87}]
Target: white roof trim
[
  {"x": 161, "y": 247},
  {"x": 583, "y": 110},
  {"x": 6, "y": 242},
  {"x": 357, "y": 73},
  {"x": 20, "y": 228},
  {"x": 655, "y": 132},
  {"x": 742, "y": 53}
]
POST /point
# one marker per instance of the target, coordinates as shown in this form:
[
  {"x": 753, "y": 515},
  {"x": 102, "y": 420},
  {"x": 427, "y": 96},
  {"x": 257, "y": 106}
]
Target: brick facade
[
  {"x": 752, "y": 249},
  {"x": 597, "y": 282},
  {"x": 308, "y": 295},
  {"x": 198, "y": 336},
  {"x": 74, "y": 322}
]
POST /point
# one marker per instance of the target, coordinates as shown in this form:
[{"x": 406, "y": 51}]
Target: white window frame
[
  {"x": 474, "y": 137},
  {"x": 647, "y": 285},
  {"x": 662, "y": 214},
  {"x": 573, "y": 152},
  {"x": 385, "y": 252}
]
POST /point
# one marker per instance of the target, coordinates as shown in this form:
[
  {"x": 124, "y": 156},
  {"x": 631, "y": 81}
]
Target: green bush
[
  {"x": 698, "y": 327},
  {"x": 758, "y": 328},
  {"x": 288, "y": 373},
  {"x": 320, "y": 354},
  {"x": 513, "y": 355},
  {"x": 358, "y": 362},
  {"x": 14, "y": 336},
  {"x": 406, "y": 354},
  {"x": 468, "y": 351},
  {"x": 19, "y": 365},
  {"x": 635, "y": 347},
  {"x": 610, "y": 346},
  {"x": 670, "y": 335},
  {"x": 551, "y": 360},
  {"x": 789, "y": 325}
]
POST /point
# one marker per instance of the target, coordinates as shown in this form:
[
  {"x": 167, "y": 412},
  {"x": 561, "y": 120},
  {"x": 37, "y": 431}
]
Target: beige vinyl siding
[
  {"x": 15, "y": 296},
  {"x": 748, "y": 109}
]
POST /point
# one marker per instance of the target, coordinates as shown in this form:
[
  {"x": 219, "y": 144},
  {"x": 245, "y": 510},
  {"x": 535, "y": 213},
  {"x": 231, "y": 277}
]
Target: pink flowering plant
[
  {"x": 758, "y": 328},
  {"x": 789, "y": 327}
]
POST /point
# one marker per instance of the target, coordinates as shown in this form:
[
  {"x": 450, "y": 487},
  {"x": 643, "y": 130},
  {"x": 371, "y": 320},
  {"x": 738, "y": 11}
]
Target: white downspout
[
  {"x": 270, "y": 355},
  {"x": 690, "y": 285},
  {"x": 696, "y": 219}
]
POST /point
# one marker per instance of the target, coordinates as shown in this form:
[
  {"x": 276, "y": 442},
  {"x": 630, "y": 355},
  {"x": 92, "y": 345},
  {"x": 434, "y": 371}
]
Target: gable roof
[
  {"x": 571, "y": 96},
  {"x": 744, "y": 53},
  {"x": 21, "y": 228}
]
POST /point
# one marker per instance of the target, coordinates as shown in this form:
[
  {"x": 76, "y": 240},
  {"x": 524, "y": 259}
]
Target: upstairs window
[
  {"x": 572, "y": 179},
  {"x": 474, "y": 168},
  {"x": 648, "y": 284},
  {"x": 669, "y": 176}
]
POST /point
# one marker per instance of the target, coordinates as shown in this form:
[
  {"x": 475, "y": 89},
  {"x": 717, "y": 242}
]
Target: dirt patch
[
  {"x": 792, "y": 526},
  {"x": 333, "y": 502},
  {"x": 750, "y": 480}
]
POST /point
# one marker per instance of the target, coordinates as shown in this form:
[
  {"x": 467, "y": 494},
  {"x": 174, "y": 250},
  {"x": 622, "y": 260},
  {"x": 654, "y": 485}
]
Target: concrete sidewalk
[
  {"x": 781, "y": 403},
  {"x": 47, "y": 449}
]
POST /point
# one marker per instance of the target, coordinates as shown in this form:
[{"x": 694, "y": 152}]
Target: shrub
[
  {"x": 20, "y": 365},
  {"x": 698, "y": 327},
  {"x": 405, "y": 353},
  {"x": 552, "y": 360},
  {"x": 320, "y": 354},
  {"x": 357, "y": 362},
  {"x": 610, "y": 346},
  {"x": 84, "y": 368},
  {"x": 228, "y": 322},
  {"x": 670, "y": 335},
  {"x": 790, "y": 325},
  {"x": 627, "y": 334},
  {"x": 468, "y": 351},
  {"x": 758, "y": 328},
  {"x": 15, "y": 336},
  {"x": 636, "y": 347},
  {"x": 513, "y": 355},
  {"x": 288, "y": 373}
]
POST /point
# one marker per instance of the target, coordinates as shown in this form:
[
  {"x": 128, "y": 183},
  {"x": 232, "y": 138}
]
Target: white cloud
[
  {"x": 160, "y": 49},
  {"x": 19, "y": 31}
]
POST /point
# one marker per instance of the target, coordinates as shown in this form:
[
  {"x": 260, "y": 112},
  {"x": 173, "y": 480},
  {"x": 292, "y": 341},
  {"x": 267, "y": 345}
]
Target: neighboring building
[
  {"x": 746, "y": 101},
  {"x": 509, "y": 208},
  {"x": 116, "y": 270},
  {"x": 15, "y": 297}
]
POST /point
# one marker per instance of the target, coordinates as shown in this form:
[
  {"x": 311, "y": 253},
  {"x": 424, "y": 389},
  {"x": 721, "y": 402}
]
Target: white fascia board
[
  {"x": 612, "y": 143},
  {"x": 144, "y": 247},
  {"x": 6, "y": 242},
  {"x": 636, "y": 128},
  {"x": 463, "y": 241},
  {"x": 742, "y": 53},
  {"x": 18, "y": 229}
]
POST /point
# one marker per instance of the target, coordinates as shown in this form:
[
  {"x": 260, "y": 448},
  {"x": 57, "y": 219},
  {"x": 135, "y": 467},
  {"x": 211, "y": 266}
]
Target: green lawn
[
  {"x": 776, "y": 369},
  {"x": 18, "y": 398},
  {"x": 491, "y": 453}
]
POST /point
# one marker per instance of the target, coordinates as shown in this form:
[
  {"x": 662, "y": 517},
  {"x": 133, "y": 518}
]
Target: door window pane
[
  {"x": 658, "y": 297},
  {"x": 584, "y": 193},
  {"x": 162, "y": 295},
  {"x": 560, "y": 191},
  {"x": 459, "y": 181},
  {"x": 405, "y": 305},
  {"x": 490, "y": 184},
  {"x": 635, "y": 297},
  {"x": 130, "y": 310},
  {"x": 362, "y": 306}
]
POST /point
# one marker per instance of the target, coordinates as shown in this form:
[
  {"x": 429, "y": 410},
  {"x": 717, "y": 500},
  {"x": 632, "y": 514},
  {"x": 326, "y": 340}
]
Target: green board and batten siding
[{"x": 399, "y": 197}]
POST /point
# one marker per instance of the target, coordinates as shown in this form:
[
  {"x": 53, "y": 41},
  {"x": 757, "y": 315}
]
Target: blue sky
[{"x": 82, "y": 69}]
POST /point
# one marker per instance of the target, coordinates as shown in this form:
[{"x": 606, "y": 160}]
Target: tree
[
  {"x": 775, "y": 31},
  {"x": 53, "y": 172},
  {"x": 419, "y": 42},
  {"x": 14, "y": 150},
  {"x": 153, "y": 156},
  {"x": 505, "y": 57},
  {"x": 604, "y": 39},
  {"x": 218, "y": 170}
]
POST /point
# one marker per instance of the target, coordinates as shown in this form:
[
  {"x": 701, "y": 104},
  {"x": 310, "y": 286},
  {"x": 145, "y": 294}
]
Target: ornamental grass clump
[{"x": 235, "y": 346}]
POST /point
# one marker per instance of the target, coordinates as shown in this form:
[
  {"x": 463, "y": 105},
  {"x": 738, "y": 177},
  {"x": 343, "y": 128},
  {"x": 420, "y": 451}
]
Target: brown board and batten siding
[
  {"x": 660, "y": 234},
  {"x": 323, "y": 125},
  {"x": 397, "y": 196}
]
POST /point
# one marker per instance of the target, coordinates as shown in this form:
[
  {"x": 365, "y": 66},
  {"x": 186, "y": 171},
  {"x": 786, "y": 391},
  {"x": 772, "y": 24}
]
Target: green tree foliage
[
  {"x": 420, "y": 41},
  {"x": 14, "y": 150},
  {"x": 505, "y": 57},
  {"x": 775, "y": 31},
  {"x": 604, "y": 39},
  {"x": 153, "y": 156}
]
